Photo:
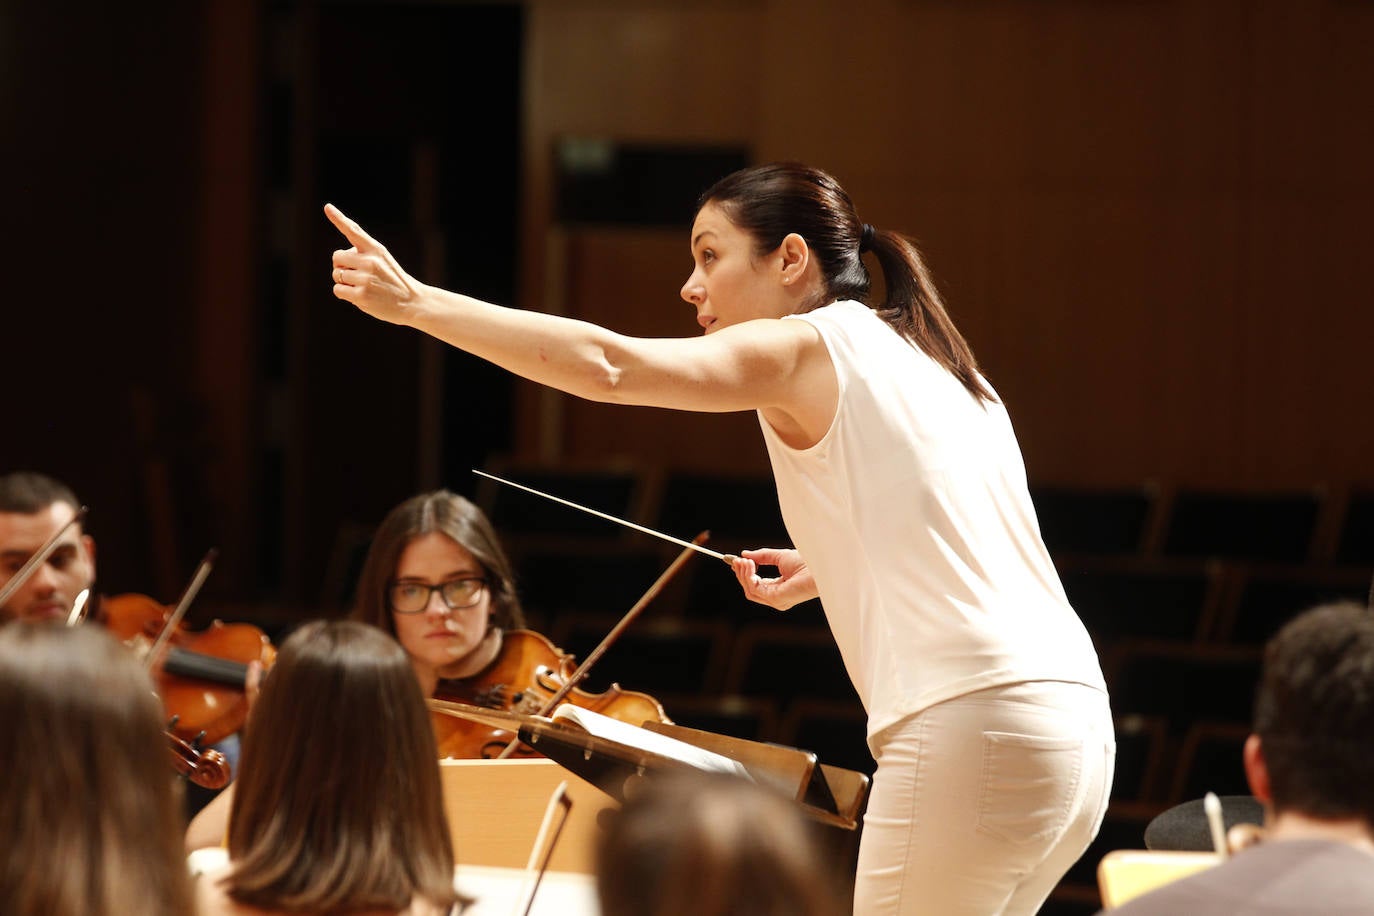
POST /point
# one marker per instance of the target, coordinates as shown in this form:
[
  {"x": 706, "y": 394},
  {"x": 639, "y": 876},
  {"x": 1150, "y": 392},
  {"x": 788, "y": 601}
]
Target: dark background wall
[{"x": 1147, "y": 217}]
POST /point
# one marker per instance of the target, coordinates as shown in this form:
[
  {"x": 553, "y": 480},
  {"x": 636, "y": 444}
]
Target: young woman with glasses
[{"x": 437, "y": 579}]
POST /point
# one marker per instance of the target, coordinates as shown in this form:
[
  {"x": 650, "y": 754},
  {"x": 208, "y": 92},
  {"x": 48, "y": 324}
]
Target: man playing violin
[{"x": 33, "y": 507}]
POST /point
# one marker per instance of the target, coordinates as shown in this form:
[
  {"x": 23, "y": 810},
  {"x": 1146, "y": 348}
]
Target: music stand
[{"x": 826, "y": 793}]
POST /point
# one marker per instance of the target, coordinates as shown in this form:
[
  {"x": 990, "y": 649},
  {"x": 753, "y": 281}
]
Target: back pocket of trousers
[{"x": 1028, "y": 785}]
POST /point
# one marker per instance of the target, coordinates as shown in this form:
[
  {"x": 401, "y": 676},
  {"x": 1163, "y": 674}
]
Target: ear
[
  {"x": 793, "y": 256},
  {"x": 89, "y": 543},
  {"x": 1256, "y": 770}
]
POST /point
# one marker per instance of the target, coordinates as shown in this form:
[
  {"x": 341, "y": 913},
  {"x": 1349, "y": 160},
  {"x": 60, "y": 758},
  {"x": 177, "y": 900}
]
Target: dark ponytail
[
  {"x": 771, "y": 201},
  {"x": 914, "y": 310}
]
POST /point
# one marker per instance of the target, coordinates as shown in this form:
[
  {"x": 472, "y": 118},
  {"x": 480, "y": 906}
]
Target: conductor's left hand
[
  {"x": 793, "y": 584},
  {"x": 368, "y": 276}
]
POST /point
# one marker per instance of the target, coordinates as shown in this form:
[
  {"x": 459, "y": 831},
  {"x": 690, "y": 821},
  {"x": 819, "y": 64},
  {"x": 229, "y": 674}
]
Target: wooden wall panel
[
  {"x": 666, "y": 72},
  {"x": 629, "y": 280},
  {"x": 1144, "y": 215}
]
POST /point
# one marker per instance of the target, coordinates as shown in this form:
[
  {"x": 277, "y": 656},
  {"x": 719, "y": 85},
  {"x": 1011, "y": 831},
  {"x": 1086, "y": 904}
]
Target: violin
[
  {"x": 204, "y": 767},
  {"x": 200, "y": 676},
  {"x": 527, "y": 672},
  {"x": 140, "y": 622},
  {"x": 532, "y": 676}
]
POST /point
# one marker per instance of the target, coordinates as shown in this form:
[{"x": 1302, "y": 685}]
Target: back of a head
[
  {"x": 1314, "y": 713},
  {"x": 338, "y": 804},
  {"x": 91, "y": 812},
  {"x": 712, "y": 845}
]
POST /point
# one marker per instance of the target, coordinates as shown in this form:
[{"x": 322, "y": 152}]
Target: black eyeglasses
[{"x": 413, "y": 597}]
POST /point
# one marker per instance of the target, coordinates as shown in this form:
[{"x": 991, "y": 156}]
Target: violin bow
[
  {"x": 78, "y": 613},
  {"x": 170, "y": 624},
  {"x": 542, "y": 841},
  {"x": 578, "y": 675},
  {"x": 31, "y": 565}
]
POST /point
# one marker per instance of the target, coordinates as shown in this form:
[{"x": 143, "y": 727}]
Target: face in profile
[
  {"x": 432, "y": 573},
  {"x": 52, "y": 589},
  {"x": 728, "y": 284}
]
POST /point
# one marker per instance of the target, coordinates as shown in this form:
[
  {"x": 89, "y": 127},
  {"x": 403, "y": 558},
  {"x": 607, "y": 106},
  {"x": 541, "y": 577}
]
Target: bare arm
[
  {"x": 210, "y": 826},
  {"x": 764, "y": 364}
]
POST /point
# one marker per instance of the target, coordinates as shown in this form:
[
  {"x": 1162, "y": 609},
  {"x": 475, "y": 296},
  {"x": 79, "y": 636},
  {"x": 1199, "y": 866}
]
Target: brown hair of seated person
[
  {"x": 710, "y": 844},
  {"x": 91, "y": 810},
  {"x": 338, "y": 807},
  {"x": 466, "y": 525}
]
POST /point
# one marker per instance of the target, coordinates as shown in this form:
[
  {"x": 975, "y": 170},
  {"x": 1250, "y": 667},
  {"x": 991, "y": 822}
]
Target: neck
[
  {"x": 1293, "y": 825},
  {"x": 427, "y": 676},
  {"x": 481, "y": 656}
]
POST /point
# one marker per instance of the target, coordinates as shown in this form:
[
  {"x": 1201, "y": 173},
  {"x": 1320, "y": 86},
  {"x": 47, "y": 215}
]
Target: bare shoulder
[
  {"x": 805, "y": 391},
  {"x": 787, "y": 346}
]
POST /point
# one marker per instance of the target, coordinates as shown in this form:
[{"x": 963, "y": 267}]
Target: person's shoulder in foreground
[{"x": 1275, "y": 877}]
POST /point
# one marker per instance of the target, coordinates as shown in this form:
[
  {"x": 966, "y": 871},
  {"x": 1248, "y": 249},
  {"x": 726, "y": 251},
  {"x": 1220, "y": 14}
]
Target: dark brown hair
[
  {"x": 771, "y": 201},
  {"x": 449, "y": 514},
  {"x": 1314, "y": 713},
  {"x": 709, "y": 844},
  {"x": 91, "y": 808},
  {"x": 338, "y": 806},
  {"x": 27, "y": 492}
]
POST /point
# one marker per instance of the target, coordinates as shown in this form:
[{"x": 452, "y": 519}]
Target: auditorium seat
[
  {"x": 1263, "y": 599},
  {"x": 1209, "y": 760},
  {"x": 655, "y": 656},
  {"x": 1143, "y": 599},
  {"x": 518, "y": 515},
  {"x": 1183, "y": 683},
  {"x": 836, "y": 732},
  {"x": 1094, "y": 522},
  {"x": 752, "y": 718},
  {"x": 739, "y": 510},
  {"x": 1141, "y": 743},
  {"x": 786, "y": 663},
  {"x": 588, "y": 578},
  {"x": 1275, "y": 527},
  {"x": 1355, "y": 539}
]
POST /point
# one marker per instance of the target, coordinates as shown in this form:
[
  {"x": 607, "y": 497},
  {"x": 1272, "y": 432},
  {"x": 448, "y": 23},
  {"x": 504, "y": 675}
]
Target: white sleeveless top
[{"x": 913, "y": 514}]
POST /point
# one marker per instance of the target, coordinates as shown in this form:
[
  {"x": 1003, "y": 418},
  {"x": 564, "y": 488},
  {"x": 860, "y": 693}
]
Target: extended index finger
[{"x": 351, "y": 230}]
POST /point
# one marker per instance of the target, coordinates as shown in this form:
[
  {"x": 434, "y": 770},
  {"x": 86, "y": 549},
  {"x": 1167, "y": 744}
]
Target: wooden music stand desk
[{"x": 495, "y": 807}]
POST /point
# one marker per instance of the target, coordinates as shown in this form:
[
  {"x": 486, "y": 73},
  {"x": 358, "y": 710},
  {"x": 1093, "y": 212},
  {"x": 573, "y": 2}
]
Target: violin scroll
[{"x": 207, "y": 767}]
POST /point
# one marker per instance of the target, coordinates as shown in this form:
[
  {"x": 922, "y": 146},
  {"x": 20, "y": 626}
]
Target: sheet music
[{"x": 595, "y": 723}]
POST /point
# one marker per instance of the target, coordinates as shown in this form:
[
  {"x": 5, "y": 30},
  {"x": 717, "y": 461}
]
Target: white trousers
[{"x": 981, "y": 803}]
